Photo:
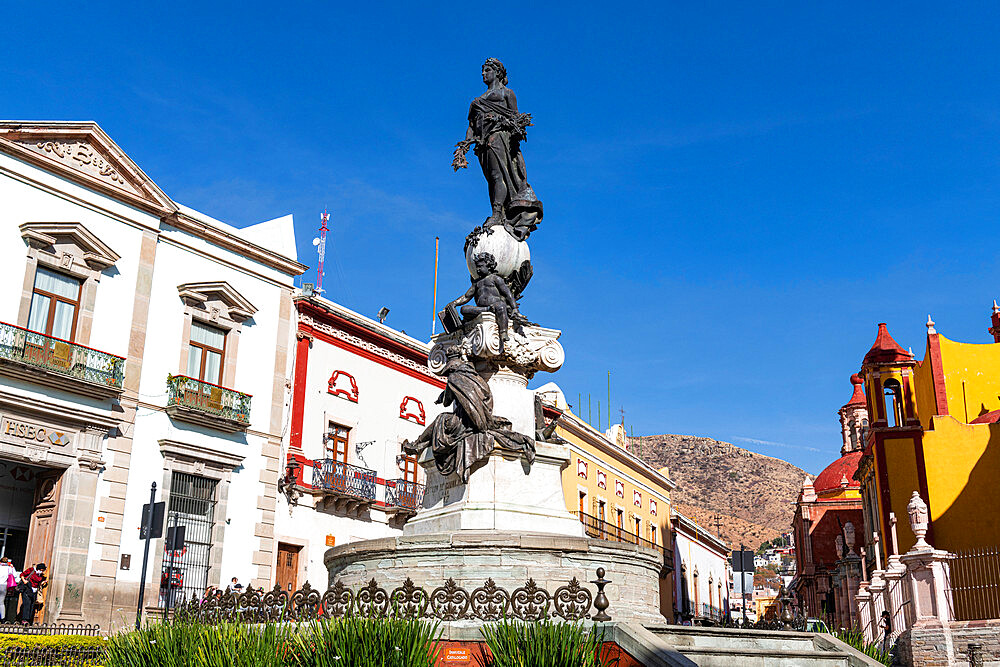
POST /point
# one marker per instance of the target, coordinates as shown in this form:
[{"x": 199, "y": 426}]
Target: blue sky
[{"x": 735, "y": 194}]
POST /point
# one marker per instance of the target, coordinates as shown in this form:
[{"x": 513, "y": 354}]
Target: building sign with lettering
[
  {"x": 451, "y": 654},
  {"x": 32, "y": 433}
]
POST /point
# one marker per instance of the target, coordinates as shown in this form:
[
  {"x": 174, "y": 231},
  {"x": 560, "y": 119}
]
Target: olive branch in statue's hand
[{"x": 458, "y": 161}]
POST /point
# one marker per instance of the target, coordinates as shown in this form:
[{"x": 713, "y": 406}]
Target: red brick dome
[{"x": 831, "y": 477}]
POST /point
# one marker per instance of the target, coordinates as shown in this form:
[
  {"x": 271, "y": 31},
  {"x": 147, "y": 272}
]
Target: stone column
[
  {"x": 863, "y": 600},
  {"x": 877, "y": 589}
]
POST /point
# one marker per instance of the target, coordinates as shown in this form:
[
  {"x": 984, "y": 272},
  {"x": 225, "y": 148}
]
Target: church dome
[{"x": 833, "y": 476}]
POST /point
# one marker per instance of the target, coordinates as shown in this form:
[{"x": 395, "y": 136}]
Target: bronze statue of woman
[{"x": 497, "y": 128}]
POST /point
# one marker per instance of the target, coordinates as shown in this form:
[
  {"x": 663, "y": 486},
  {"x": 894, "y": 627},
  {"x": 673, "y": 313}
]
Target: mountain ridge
[{"x": 740, "y": 495}]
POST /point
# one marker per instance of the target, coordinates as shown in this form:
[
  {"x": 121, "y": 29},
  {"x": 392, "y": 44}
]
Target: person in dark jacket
[{"x": 32, "y": 580}]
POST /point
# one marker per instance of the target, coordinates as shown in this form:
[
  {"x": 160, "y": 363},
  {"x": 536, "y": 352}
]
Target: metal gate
[{"x": 185, "y": 571}]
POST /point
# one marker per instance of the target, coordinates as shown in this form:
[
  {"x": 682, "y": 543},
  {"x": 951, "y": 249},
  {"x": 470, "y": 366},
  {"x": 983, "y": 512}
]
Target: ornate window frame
[
  {"x": 219, "y": 305},
  {"x": 72, "y": 249}
]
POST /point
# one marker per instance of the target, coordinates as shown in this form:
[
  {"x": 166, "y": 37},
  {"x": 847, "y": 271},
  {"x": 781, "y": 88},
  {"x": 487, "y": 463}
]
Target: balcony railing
[
  {"x": 404, "y": 494},
  {"x": 206, "y": 402},
  {"x": 344, "y": 480},
  {"x": 603, "y": 530},
  {"x": 46, "y": 353}
]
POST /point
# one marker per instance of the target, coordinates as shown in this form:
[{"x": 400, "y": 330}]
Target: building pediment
[
  {"x": 71, "y": 237},
  {"x": 217, "y": 295},
  {"x": 82, "y": 152}
]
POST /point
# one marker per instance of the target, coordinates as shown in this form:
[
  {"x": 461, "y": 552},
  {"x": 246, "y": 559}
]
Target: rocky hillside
[{"x": 752, "y": 494}]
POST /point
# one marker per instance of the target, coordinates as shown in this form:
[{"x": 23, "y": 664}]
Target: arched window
[
  {"x": 864, "y": 432},
  {"x": 853, "y": 426},
  {"x": 893, "y": 396}
]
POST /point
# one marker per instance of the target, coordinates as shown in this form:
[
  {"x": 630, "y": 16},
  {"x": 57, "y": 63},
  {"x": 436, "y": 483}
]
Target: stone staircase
[{"x": 686, "y": 646}]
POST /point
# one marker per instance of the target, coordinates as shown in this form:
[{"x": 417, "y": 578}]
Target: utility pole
[{"x": 148, "y": 520}]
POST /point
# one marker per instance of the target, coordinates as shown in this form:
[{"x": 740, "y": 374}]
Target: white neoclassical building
[{"x": 140, "y": 342}]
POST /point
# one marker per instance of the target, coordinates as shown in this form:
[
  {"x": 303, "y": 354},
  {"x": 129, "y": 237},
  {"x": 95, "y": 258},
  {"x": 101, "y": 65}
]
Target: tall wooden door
[
  {"x": 288, "y": 566},
  {"x": 41, "y": 534}
]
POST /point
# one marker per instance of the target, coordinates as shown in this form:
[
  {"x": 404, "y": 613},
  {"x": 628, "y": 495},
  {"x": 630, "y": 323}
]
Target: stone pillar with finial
[{"x": 928, "y": 570}]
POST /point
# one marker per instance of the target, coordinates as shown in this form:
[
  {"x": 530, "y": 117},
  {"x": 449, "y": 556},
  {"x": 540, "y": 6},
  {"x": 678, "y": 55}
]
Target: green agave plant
[
  {"x": 183, "y": 644},
  {"x": 856, "y": 639},
  {"x": 365, "y": 642},
  {"x": 543, "y": 644}
]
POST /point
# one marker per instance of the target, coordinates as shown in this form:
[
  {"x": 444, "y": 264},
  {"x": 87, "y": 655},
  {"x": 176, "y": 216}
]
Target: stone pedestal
[
  {"x": 503, "y": 494},
  {"x": 929, "y": 585}
]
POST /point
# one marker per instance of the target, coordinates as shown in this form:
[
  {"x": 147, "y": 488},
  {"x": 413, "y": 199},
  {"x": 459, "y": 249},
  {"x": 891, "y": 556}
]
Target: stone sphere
[{"x": 508, "y": 251}]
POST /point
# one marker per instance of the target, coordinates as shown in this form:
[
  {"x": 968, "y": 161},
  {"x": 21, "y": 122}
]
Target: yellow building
[
  {"x": 616, "y": 495},
  {"x": 935, "y": 429}
]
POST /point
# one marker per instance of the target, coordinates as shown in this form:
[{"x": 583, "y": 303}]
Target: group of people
[{"x": 20, "y": 586}]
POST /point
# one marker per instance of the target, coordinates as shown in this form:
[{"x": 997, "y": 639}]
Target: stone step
[
  {"x": 737, "y": 639},
  {"x": 718, "y": 656}
]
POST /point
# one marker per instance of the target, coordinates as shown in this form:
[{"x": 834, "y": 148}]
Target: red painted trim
[
  {"x": 299, "y": 391},
  {"x": 937, "y": 374},
  {"x": 361, "y": 332},
  {"x": 332, "y": 388},
  {"x": 885, "y": 500},
  {"x": 420, "y": 417},
  {"x": 371, "y": 356},
  {"x": 922, "y": 482},
  {"x": 379, "y": 480},
  {"x": 909, "y": 405}
]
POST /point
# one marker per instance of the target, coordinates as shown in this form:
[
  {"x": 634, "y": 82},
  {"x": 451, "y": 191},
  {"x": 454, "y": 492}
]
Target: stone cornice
[{"x": 186, "y": 223}]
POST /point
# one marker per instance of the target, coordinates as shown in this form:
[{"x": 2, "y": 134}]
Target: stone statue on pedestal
[
  {"x": 461, "y": 438},
  {"x": 491, "y": 294},
  {"x": 497, "y": 128}
]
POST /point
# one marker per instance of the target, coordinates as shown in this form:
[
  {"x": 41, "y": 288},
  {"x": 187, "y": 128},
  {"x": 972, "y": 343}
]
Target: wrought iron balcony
[
  {"x": 603, "y": 530},
  {"x": 207, "y": 404},
  {"x": 344, "y": 487},
  {"x": 66, "y": 365},
  {"x": 403, "y": 496}
]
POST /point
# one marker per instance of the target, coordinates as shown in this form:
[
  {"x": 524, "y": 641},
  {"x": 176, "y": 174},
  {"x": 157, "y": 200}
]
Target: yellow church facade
[{"x": 935, "y": 429}]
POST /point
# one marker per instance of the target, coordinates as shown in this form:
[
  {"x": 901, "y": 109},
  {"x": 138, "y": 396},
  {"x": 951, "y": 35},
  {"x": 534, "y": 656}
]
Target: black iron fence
[
  {"x": 344, "y": 479},
  {"x": 603, "y": 530},
  {"x": 404, "y": 494},
  {"x": 81, "y": 629},
  {"x": 975, "y": 584},
  {"x": 52, "y": 656},
  {"x": 448, "y": 602}
]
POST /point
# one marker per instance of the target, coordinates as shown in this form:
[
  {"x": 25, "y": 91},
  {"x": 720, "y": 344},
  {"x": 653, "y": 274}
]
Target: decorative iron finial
[{"x": 601, "y": 601}]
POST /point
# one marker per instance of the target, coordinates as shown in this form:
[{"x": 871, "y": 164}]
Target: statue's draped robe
[
  {"x": 499, "y": 129},
  {"x": 461, "y": 438}
]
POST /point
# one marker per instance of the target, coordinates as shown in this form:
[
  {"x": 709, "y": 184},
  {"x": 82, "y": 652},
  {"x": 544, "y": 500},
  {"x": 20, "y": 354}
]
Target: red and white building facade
[{"x": 359, "y": 389}]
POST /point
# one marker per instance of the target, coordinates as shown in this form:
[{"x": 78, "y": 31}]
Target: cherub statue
[{"x": 491, "y": 294}]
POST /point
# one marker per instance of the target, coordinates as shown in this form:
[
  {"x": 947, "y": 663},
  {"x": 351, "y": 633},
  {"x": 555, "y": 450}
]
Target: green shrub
[
  {"x": 543, "y": 644},
  {"x": 364, "y": 642},
  {"x": 856, "y": 639},
  {"x": 70, "y": 650}
]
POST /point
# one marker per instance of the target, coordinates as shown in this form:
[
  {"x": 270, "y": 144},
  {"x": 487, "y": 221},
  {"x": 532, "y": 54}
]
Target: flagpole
[{"x": 437, "y": 244}]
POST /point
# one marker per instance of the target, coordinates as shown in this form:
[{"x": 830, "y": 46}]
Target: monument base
[
  {"x": 504, "y": 493},
  {"x": 509, "y": 559}
]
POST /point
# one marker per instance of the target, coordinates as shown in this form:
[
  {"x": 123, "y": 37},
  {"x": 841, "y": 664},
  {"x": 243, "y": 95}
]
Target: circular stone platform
[{"x": 472, "y": 556}]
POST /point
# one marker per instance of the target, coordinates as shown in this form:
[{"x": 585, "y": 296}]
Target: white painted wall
[{"x": 709, "y": 564}]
